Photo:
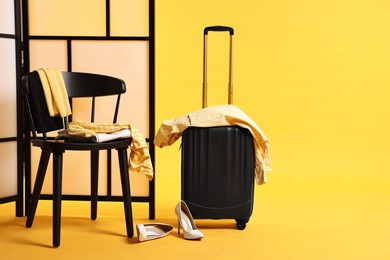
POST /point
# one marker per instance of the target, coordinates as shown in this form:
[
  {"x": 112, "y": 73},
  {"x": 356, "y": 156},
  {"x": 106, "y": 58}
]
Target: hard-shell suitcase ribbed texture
[{"x": 218, "y": 173}]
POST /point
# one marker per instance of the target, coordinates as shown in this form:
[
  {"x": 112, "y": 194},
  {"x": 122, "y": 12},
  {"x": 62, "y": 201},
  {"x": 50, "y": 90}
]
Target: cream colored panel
[
  {"x": 76, "y": 172},
  {"x": 127, "y": 60},
  {"x": 8, "y": 169},
  {"x": 8, "y": 88},
  {"x": 70, "y": 17},
  {"x": 139, "y": 183},
  {"x": 48, "y": 54},
  {"x": 7, "y": 20},
  {"x": 129, "y": 18}
]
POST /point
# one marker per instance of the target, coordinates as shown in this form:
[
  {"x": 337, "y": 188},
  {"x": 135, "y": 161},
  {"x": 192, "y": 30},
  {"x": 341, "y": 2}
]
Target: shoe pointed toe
[
  {"x": 151, "y": 231},
  {"x": 193, "y": 235}
]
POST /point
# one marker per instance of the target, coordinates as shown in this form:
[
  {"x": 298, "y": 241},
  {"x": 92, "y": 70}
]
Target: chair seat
[{"x": 81, "y": 146}]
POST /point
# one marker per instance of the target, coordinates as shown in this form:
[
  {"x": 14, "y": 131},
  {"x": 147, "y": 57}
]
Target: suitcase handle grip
[{"x": 218, "y": 28}]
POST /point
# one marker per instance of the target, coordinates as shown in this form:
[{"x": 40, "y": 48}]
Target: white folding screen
[
  {"x": 8, "y": 102},
  {"x": 104, "y": 37}
]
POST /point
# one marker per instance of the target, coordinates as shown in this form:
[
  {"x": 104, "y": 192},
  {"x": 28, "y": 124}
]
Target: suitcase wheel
[{"x": 241, "y": 223}]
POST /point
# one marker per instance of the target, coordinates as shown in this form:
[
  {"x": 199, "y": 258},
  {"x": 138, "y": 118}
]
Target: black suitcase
[{"x": 217, "y": 167}]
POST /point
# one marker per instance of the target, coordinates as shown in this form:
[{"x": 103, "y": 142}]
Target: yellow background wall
[{"x": 315, "y": 77}]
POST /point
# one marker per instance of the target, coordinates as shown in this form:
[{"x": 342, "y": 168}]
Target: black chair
[{"x": 78, "y": 85}]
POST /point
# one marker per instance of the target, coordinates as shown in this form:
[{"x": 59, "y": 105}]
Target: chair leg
[
  {"x": 57, "y": 196},
  {"x": 42, "y": 167},
  {"x": 124, "y": 171},
  {"x": 94, "y": 183}
]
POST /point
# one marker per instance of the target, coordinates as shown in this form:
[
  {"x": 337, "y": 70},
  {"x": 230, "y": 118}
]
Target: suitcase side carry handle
[
  {"x": 230, "y": 83},
  {"x": 218, "y": 28}
]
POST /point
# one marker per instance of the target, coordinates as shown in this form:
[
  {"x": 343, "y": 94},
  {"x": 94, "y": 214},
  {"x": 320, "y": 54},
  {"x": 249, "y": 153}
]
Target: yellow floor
[
  {"x": 299, "y": 224},
  {"x": 311, "y": 208}
]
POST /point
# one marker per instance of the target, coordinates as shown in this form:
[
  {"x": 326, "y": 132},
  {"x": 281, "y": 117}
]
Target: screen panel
[
  {"x": 48, "y": 54},
  {"x": 8, "y": 169},
  {"x": 129, "y": 18},
  {"x": 8, "y": 89},
  {"x": 139, "y": 183},
  {"x": 75, "y": 175},
  {"x": 7, "y": 21},
  {"x": 123, "y": 59},
  {"x": 70, "y": 17}
]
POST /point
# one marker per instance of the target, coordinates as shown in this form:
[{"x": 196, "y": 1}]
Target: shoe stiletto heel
[
  {"x": 185, "y": 220},
  {"x": 178, "y": 227}
]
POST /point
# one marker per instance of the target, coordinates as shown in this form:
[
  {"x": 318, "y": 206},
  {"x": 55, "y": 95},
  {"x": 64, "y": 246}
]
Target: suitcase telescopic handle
[
  {"x": 218, "y": 28},
  {"x": 230, "y": 84}
]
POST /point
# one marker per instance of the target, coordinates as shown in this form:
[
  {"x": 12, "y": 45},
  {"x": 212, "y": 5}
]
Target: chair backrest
[{"x": 78, "y": 85}]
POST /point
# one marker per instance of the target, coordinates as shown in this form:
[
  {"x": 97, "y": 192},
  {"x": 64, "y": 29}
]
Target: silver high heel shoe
[
  {"x": 186, "y": 221},
  {"x": 152, "y": 231}
]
